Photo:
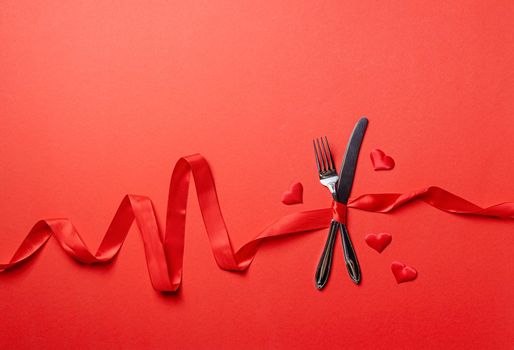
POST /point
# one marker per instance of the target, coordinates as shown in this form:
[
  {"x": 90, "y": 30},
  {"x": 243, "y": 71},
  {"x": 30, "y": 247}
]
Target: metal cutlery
[{"x": 340, "y": 188}]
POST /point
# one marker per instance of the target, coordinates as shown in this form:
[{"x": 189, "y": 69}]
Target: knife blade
[
  {"x": 349, "y": 165},
  {"x": 344, "y": 188}
]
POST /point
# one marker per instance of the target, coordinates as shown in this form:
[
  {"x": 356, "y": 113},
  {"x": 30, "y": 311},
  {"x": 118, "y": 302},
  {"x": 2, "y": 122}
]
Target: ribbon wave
[{"x": 164, "y": 252}]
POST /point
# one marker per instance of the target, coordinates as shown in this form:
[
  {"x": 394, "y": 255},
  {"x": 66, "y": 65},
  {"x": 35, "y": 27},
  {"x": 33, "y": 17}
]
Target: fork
[{"x": 328, "y": 178}]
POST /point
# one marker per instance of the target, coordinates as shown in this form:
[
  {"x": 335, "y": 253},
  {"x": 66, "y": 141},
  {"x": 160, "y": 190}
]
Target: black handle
[
  {"x": 352, "y": 264},
  {"x": 323, "y": 269}
]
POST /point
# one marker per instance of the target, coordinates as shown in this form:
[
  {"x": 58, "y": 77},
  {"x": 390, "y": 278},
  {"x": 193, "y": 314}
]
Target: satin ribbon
[{"x": 164, "y": 253}]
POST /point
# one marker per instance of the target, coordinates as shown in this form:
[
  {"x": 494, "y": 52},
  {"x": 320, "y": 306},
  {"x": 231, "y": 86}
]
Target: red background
[{"x": 99, "y": 99}]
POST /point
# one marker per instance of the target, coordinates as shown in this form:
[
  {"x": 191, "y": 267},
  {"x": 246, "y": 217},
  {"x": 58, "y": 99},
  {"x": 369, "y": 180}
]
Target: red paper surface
[{"x": 98, "y": 100}]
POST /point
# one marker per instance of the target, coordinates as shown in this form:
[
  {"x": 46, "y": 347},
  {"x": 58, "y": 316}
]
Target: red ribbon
[{"x": 164, "y": 253}]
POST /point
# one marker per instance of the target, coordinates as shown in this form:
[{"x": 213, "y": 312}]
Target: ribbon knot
[{"x": 339, "y": 212}]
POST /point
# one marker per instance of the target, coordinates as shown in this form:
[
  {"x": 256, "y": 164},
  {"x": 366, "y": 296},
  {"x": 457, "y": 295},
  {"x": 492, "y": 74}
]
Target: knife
[{"x": 344, "y": 188}]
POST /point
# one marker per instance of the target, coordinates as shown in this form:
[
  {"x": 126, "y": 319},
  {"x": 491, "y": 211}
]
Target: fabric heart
[
  {"x": 294, "y": 195},
  {"x": 378, "y": 241},
  {"x": 403, "y": 273},
  {"x": 380, "y": 160}
]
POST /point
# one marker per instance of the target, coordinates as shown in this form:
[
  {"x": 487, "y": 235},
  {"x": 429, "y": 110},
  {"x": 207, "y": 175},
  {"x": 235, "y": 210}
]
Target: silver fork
[{"x": 328, "y": 178}]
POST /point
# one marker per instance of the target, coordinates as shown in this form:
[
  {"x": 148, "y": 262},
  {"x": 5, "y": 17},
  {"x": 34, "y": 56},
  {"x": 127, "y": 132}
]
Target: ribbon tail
[{"x": 434, "y": 196}]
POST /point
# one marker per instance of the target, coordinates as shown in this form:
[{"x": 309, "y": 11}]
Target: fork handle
[
  {"x": 352, "y": 264},
  {"x": 325, "y": 262}
]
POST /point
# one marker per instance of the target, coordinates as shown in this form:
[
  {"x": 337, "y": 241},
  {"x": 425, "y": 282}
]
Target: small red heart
[
  {"x": 378, "y": 241},
  {"x": 380, "y": 160},
  {"x": 403, "y": 273},
  {"x": 294, "y": 195}
]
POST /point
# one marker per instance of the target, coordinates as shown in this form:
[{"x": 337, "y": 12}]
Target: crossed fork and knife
[{"x": 340, "y": 187}]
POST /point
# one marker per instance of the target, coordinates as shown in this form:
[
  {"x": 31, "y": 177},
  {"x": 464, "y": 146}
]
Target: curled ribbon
[{"x": 164, "y": 253}]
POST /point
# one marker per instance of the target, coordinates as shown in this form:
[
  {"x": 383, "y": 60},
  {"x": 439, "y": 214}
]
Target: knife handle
[
  {"x": 352, "y": 264},
  {"x": 325, "y": 262}
]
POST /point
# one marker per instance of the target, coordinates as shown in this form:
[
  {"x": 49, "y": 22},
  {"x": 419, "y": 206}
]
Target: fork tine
[
  {"x": 329, "y": 165},
  {"x": 324, "y": 165},
  {"x": 332, "y": 164},
  {"x": 316, "y": 155}
]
